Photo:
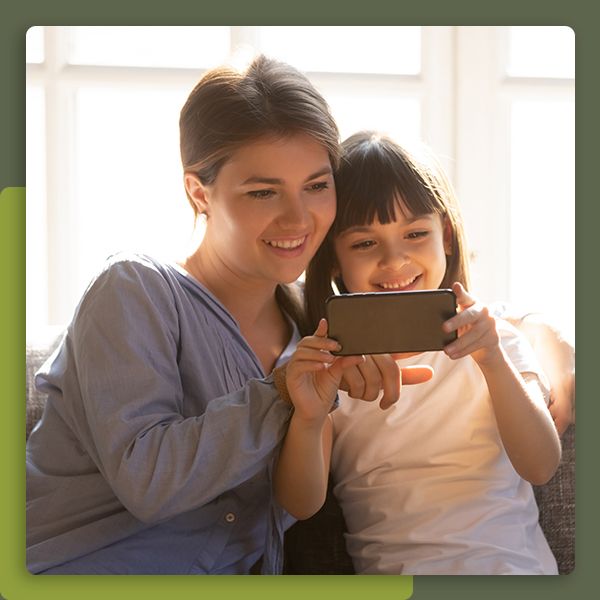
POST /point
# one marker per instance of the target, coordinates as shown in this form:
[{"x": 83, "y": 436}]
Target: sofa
[{"x": 316, "y": 546}]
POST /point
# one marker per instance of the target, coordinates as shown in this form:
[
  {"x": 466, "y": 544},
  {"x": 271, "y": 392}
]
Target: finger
[
  {"x": 372, "y": 377},
  {"x": 304, "y": 366},
  {"x": 463, "y": 298},
  {"x": 390, "y": 379},
  {"x": 321, "y": 328},
  {"x": 466, "y": 344},
  {"x": 343, "y": 363},
  {"x": 314, "y": 354},
  {"x": 416, "y": 374},
  {"x": 319, "y": 343},
  {"x": 352, "y": 382},
  {"x": 468, "y": 316}
]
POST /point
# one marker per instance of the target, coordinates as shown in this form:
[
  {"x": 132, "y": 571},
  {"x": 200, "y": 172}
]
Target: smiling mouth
[
  {"x": 286, "y": 244},
  {"x": 399, "y": 285}
]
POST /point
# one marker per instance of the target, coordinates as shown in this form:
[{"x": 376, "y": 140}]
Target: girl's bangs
[{"x": 371, "y": 194}]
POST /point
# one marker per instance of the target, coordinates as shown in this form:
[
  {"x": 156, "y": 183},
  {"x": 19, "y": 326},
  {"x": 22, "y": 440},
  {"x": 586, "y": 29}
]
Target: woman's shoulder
[{"x": 129, "y": 278}]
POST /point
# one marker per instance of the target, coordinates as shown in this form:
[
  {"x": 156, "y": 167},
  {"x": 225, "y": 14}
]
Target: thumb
[
  {"x": 321, "y": 330},
  {"x": 416, "y": 374},
  {"x": 463, "y": 298}
]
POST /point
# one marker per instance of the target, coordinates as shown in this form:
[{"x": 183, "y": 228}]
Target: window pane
[
  {"x": 358, "y": 49},
  {"x": 128, "y": 177},
  {"x": 543, "y": 209},
  {"x": 35, "y": 224},
  {"x": 185, "y": 47},
  {"x": 397, "y": 116},
  {"x": 34, "y": 45},
  {"x": 541, "y": 52}
]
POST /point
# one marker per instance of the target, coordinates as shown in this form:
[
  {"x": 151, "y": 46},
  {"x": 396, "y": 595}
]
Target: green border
[{"x": 15, "y": 582}]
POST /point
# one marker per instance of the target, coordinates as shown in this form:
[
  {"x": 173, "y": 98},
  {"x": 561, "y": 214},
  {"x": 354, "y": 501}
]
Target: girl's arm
[
  {"x": 524, "y": 421},
  {"x": 312, "y": 378}
]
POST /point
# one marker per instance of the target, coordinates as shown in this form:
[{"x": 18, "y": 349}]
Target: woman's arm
[
  {"x": 162, "y": 447},
  {"x": 557, "y": 358},
  {"x": 524, "y": 421}
]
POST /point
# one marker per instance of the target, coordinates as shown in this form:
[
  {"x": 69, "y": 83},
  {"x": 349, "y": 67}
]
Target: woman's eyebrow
[
  {"x": 324, "y": 171},
  {"x": 277, "y": 181}
]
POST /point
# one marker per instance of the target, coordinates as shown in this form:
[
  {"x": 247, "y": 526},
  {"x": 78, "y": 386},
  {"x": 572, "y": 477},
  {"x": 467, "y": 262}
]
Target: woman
[{"x": 155, "y": 451}]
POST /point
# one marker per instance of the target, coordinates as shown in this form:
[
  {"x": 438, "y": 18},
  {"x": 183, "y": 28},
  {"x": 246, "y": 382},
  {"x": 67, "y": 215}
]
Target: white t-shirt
[{"x": 426, "y": 486}]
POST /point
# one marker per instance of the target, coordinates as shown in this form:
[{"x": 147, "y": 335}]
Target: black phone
[{"x": 388, "y": 322}]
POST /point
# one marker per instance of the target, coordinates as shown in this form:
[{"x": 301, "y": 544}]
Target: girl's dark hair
[
  {"x": 376, "y": 177},
  {"x": 229, "y": 108}
]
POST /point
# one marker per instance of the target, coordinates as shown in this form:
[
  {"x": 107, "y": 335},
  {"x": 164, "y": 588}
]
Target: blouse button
[{"x": 230, "y": 517}]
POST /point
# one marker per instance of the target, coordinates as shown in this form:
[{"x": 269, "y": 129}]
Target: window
[{"x": 495, "y": 103}]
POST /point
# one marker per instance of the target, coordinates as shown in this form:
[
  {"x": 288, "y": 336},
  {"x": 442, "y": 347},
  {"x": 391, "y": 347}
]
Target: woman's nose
[{"x": 293, "y": 213}]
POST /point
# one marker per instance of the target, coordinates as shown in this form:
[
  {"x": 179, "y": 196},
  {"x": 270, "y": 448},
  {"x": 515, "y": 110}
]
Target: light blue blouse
[{"x": 154, "y": 452}]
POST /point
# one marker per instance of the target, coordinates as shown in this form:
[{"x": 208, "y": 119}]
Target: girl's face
[
  {"x": 269, "y": 208},
  {"x": 406, "y": 254}
]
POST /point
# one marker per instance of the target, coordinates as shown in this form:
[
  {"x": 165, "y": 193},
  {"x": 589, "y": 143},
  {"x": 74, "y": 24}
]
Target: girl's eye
[
  {"x": 413, "y": 235},
  {"x": 363, "y": 245},
  {"x": 318, "y": 187},
  {"x": 261, "y": 194}
]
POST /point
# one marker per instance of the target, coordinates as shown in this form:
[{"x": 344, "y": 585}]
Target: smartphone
[{"x": 387, "y": 322}]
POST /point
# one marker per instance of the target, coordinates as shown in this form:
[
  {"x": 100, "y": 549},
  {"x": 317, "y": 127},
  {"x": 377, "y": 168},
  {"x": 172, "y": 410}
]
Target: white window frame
[{"x": 469, "y": 131}]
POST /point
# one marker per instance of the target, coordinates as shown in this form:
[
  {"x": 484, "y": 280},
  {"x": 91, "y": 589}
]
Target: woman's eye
[
  {"x": 363, "y": 245},
  {"x": 262, "y": 194},
  {"x": 413, "y": 235},
  {"x": 318, "y": 187}
]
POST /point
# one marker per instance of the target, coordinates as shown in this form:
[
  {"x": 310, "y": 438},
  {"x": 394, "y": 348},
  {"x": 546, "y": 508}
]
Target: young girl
[{"x": 440, "y": 483}]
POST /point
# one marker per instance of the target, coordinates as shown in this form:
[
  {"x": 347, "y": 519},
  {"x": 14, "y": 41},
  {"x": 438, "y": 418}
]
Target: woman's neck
[
  {"x": 249, "y": 301},
  {"x": 252, "y": 305}
]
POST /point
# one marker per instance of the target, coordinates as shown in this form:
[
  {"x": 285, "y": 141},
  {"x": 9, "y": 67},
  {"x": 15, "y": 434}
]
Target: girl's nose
[{"x": 394, "y": 258}]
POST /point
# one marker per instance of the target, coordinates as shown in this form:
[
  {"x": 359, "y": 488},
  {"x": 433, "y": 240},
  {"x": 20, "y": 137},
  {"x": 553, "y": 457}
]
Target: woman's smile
[{"x": 287, "y": 247}]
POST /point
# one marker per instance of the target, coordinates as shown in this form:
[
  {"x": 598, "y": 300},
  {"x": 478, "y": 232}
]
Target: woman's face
[
  {"x": 406, "y": 254},
  {"x": 270, "y": 207}
]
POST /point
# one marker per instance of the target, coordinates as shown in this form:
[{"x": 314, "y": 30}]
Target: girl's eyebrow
[
  {"x": 367, "y": 228},
  {"x": 355, "y": 229},
  {"x": 276, "y": 181}
]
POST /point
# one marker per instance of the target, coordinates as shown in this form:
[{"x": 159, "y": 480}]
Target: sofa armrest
[
  {"x": 37, "y": 352},
  {"x": 556, "y": 503}
]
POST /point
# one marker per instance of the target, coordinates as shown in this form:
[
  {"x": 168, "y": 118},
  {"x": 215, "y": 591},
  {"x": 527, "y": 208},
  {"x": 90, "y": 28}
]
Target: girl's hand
[
  {"x": 313, "y": 374},
  {"x": 477, "y": 333},
  {"x": 381, "y": 372}
]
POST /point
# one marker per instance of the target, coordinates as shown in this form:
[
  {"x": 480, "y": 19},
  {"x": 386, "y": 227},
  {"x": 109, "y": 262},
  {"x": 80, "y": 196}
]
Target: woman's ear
[
  {"x": 196, "y": 192},
  {"x": 448, "y": 236}
]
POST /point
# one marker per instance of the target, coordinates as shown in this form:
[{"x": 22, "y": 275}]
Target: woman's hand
[
  {"x": 477, "y": 333},
  {"x": 313, "y": 374}
]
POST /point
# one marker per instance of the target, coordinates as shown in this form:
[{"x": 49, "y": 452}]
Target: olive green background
[{"x": 15, "y": 582}]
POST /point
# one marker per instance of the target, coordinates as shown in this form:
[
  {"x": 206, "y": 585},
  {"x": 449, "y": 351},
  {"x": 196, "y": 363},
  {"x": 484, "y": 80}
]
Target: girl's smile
[{"x": 407, "y": 254}]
